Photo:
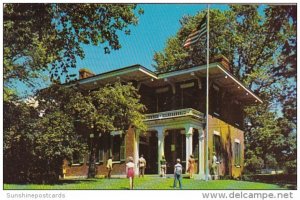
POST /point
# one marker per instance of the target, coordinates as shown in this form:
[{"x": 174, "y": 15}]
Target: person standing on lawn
[
  {"x": 178, "y": 174},
  {"x": 109, "y": 167},
  {"x": 130, "y": 171},
  {"x": 142, "y": 165}
]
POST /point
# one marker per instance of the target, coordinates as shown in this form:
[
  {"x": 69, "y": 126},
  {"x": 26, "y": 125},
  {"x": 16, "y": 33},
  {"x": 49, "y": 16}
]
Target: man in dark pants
[{"x": 142, "y": 165}]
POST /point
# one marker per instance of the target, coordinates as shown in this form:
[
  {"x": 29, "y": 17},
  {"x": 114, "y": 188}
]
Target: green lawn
[{"x": 143, "y": 183}]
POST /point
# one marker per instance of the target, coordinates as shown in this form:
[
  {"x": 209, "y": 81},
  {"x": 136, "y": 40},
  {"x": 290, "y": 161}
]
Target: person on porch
[
  {"x": 191, "y": 166},
  {"x": 163, "y": 166},
  {"x": 214, "y": 165}
]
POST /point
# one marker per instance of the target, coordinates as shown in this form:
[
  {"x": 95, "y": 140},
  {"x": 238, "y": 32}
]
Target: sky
[{"x": 156, "y": 25}]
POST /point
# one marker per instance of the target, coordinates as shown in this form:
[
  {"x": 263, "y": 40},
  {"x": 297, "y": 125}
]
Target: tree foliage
[
  {"x": 262, "y": 54},
  {"x": 60, "y": 125},
  {"x": 113, "y": 107},
  {"x": 36, "y": 144},
  {"x": 17, "y": 146},
  {"x": 47, "y": 36}
]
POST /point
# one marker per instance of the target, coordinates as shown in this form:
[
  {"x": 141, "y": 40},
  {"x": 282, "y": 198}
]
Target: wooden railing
[{"x": 174, "y": 113}]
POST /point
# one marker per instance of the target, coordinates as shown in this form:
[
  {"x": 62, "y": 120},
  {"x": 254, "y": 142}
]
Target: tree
[
  {"x": 174, "y": 56},
  {"x": 52, "y": 131},
  {"x": 36, "y": 143},
  {"x": 111, "y": 108},
  {"x": 40, "y": 37},
  {"x": 262, "y": 54},
  {"x": 283, "y": 19},
  {"x": 17, "y": 146},
  {"x": 253, "y": 163},
  {"x": 55, "y": 140}
]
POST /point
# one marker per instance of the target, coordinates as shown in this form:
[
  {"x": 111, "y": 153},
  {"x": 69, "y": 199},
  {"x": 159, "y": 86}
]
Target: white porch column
[
  {"x": 188, "y": 144},
  {"x": 136, "y": 152},
  {"x": 201, "y": 154},
  {"x": 161, "y": 146}
]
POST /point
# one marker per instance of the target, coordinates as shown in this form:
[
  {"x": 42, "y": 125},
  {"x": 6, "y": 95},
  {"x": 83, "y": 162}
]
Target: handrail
[{"x": 174, "y": 113}]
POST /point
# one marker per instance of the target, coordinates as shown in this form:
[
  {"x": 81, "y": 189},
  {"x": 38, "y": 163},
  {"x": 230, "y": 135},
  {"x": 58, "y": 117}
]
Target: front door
[
  {"x": 148, "y": 147},
  {"x": 175, "y": 147}
]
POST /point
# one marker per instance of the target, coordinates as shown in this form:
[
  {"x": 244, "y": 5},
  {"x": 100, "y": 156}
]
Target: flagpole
[{"x": 207, "y": 94}]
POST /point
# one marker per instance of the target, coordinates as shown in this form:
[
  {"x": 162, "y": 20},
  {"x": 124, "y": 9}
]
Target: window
[
  {"x": 217, "y": 148},
  {"x": 237, "y": 154},
  {"x": 237, "y": 113},
  {"x": 99, "y": 155},
  {"x": 77, "y": 158},
  {"x": 117, "y": 150},
  {"x": 189, "y": 93},
  {"x": 163, "y": 98},
  {"x": 123, "y": 149}
]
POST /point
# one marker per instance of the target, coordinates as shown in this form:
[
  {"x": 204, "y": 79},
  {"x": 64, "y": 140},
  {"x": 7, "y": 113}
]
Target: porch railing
[{"x": 174, "y": 113}]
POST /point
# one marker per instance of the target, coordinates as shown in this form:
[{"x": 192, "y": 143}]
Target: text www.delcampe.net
[{"x": 247, "y": 195}]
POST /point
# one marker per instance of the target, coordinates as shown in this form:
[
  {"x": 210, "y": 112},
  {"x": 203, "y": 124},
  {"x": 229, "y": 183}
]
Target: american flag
[{"x": 198, "y": 34}]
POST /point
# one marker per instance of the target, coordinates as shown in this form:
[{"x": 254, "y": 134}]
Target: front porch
[{"x": 174, "y": 134}]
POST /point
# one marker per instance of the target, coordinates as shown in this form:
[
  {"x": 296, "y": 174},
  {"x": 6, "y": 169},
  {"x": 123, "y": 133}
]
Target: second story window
[
  {"x": 163, "y": 99},
  {"x": 237, "y": 114},
  {"x": 189, "y": 95},
  {"x": 215, "y": 99}
]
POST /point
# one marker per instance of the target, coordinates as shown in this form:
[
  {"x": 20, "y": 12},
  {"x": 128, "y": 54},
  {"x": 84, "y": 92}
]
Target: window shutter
[
  {"x": 237, "y": 152},
  {"x": 81, "y": 158},
  {"x": 101, "y": 155},
  {"x": 71, "y": 161},
  {"x": 122, "y": 149},
  {"x": 88, "y": 158}
]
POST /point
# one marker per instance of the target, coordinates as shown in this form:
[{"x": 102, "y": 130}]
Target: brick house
[{"x": 175, "y": 118}]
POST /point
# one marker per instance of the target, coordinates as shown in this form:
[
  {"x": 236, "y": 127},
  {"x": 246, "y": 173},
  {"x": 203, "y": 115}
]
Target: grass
[{"x": 146, "y": 183}]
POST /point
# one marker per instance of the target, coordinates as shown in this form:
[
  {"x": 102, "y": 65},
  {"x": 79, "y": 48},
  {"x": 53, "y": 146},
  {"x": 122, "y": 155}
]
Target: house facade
[{"x": 175, "y": 117}]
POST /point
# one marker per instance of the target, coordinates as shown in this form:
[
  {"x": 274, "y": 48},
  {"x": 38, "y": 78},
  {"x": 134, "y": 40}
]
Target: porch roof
[{"x": 218, "y": 74}]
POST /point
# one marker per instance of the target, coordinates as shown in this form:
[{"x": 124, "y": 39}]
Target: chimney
[
  {"x": 223, "y": 61},
  {"x": 85, "y": 73}
]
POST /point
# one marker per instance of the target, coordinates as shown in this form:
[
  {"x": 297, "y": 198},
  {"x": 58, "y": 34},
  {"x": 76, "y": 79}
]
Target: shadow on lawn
[
  {"x": 288, "y": 186},
  {"x": 74, "y": 181},
  {"x": 288, "y": 181}
]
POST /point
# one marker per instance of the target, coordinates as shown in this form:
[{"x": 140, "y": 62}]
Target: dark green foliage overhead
[{"x": 45, "y": 36}]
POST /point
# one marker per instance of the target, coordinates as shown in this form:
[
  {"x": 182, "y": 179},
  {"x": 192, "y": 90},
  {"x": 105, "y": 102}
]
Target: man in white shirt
[{"x": 178, "y": 174}]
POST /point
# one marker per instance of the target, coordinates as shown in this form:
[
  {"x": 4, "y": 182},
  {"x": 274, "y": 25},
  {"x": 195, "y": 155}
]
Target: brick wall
[
  {"x": 228, "y": 134},
  {"x": 81, "y": 170}
]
